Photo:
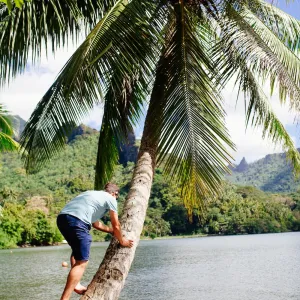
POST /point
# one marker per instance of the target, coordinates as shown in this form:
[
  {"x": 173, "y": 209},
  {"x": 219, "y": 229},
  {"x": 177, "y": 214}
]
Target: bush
[
  {"x": 152, "y": 235},
  {"x": 19, "y": 226},
  {"x": 11, "y": 225},
  {"x": 5, "y": 241}
]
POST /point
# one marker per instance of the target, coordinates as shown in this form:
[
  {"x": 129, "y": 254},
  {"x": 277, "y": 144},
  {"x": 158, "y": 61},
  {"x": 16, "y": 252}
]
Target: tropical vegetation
[
  {"x": 30, "y": 203},
  {"x": 271, "y": 173},
  {"x": 177, "y": 53},
  {"x": 7, "y": 142}
]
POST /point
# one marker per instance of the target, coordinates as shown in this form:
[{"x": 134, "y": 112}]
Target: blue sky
[
  {"x": 292, "y": 8},
  {"x": 26, "y": 90}
]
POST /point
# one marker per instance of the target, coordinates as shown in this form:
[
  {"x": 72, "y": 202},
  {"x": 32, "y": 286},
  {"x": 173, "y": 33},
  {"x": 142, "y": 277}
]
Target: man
[{"x": 75, "y": 221}]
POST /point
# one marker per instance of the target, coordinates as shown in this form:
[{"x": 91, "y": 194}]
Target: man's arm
[
  {"x": 117, "y": 230},
  {"x": 99, "y": 226}
]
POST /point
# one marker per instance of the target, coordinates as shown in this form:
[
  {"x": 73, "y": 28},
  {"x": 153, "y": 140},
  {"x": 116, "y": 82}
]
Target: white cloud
[
  {"x": 24, "y": 93},
  {"x": 94, "y": 119}
]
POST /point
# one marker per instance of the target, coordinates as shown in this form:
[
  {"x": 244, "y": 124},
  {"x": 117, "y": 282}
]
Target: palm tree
[
  {"x": 6, "y": 131},
  {"x": 178, "y": 54}
]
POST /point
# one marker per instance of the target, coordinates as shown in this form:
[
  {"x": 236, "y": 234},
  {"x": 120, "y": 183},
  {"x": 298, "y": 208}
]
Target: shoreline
[
  {"x": 170, "y": 237},
  {"x": 150, "y": 239},
  {"x": 103, "y": 241}
]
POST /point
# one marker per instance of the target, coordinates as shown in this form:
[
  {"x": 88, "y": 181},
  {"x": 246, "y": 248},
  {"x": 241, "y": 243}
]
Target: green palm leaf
[
  {"x": 264, "y": 62},
  {"x": 235, "y": 62},
  {"x": 121, "y": 112},
  {"x": 283, "y": 25},
  {"x": 5, "y": 122},
  {"x": 7, "y": 143},
  {"x": 193, "y": 138},
  {"x": 10, "y": 3},
  {"x": 107, "y": 156},
  {"x": 89, "y": 72},
  {"x": 288, "y": 58},
  {"x": 26, "y": 31},
  {"x": 260, "y": 111},
  {"x": 6, "y": 131}
]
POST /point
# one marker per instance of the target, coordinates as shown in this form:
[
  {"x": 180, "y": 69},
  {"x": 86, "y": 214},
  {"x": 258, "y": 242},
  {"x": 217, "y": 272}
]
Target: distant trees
[
  {"x": 238, "y": 210},
  {"x": 20, "y": 226},
  {"x": 8, "y": 194},
  {"x": 272, "y": 173},
  {"x": 250, "y": 212}
]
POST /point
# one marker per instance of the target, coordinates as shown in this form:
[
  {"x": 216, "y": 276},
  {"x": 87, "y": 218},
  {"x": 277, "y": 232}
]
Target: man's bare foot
[{"x": 80, "y": 289}]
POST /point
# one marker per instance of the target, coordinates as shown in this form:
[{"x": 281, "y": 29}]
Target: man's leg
[
  {"x": 79, "y": 288},
  {"x": 72, "y": 260},
  {"x": 77, "y": 234},
  {"x": 74, "y": 278}
]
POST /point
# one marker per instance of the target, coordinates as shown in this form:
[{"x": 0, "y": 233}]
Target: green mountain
[{"x": 273, "y": 173}]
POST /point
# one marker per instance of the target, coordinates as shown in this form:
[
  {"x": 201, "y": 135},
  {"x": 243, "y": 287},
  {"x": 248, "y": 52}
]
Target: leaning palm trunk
[{"x": 110, "y": 278}]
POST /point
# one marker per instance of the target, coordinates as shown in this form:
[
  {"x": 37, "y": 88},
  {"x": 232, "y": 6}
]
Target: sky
[{"x": 24, "y": 92}]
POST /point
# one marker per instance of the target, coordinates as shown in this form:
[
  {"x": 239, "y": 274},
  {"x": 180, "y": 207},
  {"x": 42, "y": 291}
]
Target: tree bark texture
[{"x": 110, "y": 277}]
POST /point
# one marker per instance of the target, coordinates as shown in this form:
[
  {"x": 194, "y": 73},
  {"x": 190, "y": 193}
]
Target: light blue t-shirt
[{"x": 90, "y": 206}]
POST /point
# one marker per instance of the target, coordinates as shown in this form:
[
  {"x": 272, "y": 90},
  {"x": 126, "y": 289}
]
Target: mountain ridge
[{"x": 272, "y": 173}]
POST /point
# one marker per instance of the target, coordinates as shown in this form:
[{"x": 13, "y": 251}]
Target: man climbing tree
[{"x": 75, "y": 221}]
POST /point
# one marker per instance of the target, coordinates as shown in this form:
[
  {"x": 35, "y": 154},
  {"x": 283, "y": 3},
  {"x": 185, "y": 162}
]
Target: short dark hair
[{"x": 111, "y": 188}]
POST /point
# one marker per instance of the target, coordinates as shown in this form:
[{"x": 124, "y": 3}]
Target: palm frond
[
  {"x": 107, "y": 156},
  {"x": 288, "y": 59},
  {"x": 6, "y": 131},
  {"x": 121, "y": 43},
  {"x": 283, "y": 25},
  {"x": 260, "y": 111},
  {"x": 5, "y": 122},
  {"x": 238, "y": 34},
  {"x": 154, "y": 119},
  {"x": 193, "y": 138},
  {"x": 121, "y": 112},
  {"x": 5, "y": 125},
  {"x": 123, "y": 108},
  {"x": 11, "y": 3},
  {"x": 7, "y": 143},
  {"x": 25, "y": 31}
]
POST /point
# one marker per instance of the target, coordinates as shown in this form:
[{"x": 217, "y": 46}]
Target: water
[{"x": 264, "y": 267}]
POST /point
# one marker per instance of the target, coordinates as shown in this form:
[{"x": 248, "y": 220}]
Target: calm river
[{"x": 264, "y": 267}]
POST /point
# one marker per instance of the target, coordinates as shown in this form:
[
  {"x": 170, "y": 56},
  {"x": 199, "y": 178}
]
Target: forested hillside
[
  {"x": 273, "y": 173},
  {"x": 29, "y": 203}
]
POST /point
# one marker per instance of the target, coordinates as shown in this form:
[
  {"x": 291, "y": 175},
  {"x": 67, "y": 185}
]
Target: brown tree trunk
[{"x": 110, "y": 278}]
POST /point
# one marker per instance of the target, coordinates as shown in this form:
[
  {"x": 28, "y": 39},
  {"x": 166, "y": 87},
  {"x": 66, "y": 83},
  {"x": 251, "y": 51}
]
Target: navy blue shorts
[{"x": 77, "y": 235}]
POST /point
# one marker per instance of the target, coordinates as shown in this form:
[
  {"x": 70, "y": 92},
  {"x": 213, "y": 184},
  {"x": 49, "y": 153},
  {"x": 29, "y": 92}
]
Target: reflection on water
[{"x": 264, "y": 267}]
